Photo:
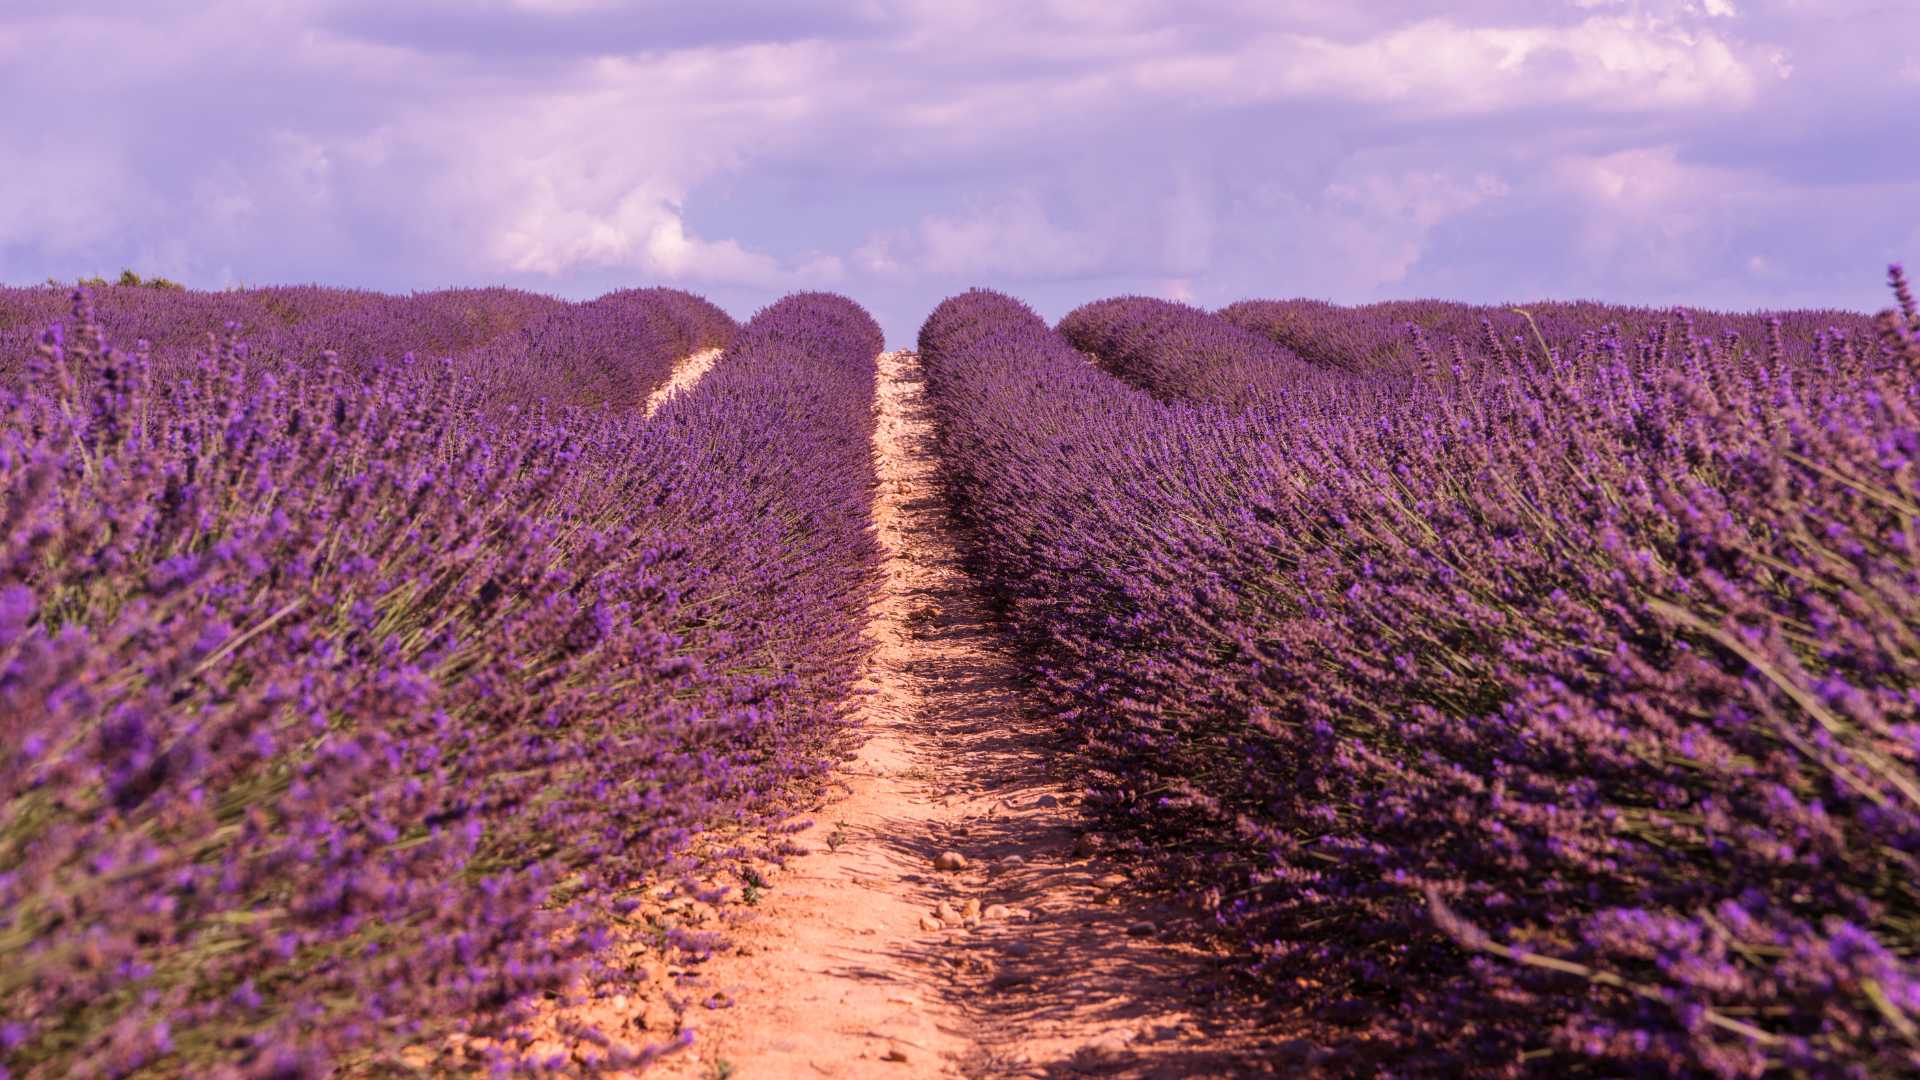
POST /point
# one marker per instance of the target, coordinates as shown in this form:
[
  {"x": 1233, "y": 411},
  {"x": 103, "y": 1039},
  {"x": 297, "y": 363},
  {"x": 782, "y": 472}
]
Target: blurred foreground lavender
[
  {"x": 343, "y": 703},
  {"x": 1539, "y": 713}
]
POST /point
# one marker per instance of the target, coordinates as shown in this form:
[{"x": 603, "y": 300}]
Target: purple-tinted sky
[{"x": 1730, "y": 153}]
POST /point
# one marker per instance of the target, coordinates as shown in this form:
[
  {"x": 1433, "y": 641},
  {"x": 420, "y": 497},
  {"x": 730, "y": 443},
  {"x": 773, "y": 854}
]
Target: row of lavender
[
  {"x": 1564, "y": 724},
  {"x": 1178, "y": 352},
  {"x": 293, "y": 323},
  {"x": 1429, "y": 337},
  {"x": 610, "y": 351},
  {"x": 1256, "y": 349},
  {"x": 340, "y": 708}
]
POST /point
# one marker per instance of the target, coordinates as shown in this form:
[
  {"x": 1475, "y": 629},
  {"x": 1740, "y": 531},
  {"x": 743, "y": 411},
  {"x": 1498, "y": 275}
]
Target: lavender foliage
[
  {"x": 1426, "y": 337},
  {"x": 1179, "y": 352},
  {"x": 293, "y": 323},
  {"x": 612, "y": 351},
  {"x": 340, "y": 708},
  {"x": 1561, "y": 721}
]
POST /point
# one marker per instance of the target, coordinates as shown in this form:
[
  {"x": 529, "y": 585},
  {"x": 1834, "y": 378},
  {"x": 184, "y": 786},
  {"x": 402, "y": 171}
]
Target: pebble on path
[{"x": 950, "y": 860}]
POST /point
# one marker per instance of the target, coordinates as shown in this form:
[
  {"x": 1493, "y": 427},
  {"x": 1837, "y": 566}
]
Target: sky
[{"x": 1733, "y": 154}]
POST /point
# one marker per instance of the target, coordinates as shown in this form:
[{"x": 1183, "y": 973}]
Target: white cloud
[
  {"x": 1712, "y": 9},
  {"x": 1422, "y": 197},
  {"x": 1380, "y": 221},
  {"x": 1160, "y": 144},
  {"x": 1665, "y": 215},
  {"x": 1157, "y": 225},
  {"x": 591, "y": 173},
  {"x": 1645, "y": 180},
  {"x": 640, "y": 230},
  {"x": 1014, "y": 236},
  {"x": 1603, "y": 63}
]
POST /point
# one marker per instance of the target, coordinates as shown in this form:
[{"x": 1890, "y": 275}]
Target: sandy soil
[
  {"x": 1046, "y": 962},
  {"x": 685, "y": 374}
]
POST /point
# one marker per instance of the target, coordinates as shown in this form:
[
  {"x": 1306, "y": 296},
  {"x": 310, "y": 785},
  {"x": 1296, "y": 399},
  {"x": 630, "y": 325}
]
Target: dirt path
[
  {"x": 1046, "y": 964},
  {"x": 685, "y": 374}
]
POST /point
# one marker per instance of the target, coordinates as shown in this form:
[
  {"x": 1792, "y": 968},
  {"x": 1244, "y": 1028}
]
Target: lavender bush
[
  {"x": 1563, "y": 725},
  {"x": 613, "y": 351},
  {"x": 1179, "y": 352},
  {"x": 338, "y": 710},
  {"x": 1380, "y": 338},
  {"x": 294, "y": 323}
]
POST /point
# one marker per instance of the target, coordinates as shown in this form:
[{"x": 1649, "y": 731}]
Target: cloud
[
  {"x": 1012, "y": 237},
  {"x": 1603, "y": 63},
  {"x": 1644, "y": 181},
  {"x": 1423, "y": 198},
  {"x": 1381, "y": 221},
  {"x": 897, "y": 149},
  {"x": 561, "y": 29},
  {"x": 1665, "y": 216}
]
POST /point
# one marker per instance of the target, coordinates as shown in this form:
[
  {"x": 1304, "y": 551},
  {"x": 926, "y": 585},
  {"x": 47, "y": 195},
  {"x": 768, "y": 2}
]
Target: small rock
[
  {"x": 995, "y": 912},
  {"x": 1013, "y": 860},
  {"x": 1007, "y": 979},
  {"x": 971, "y": 909},
  {"x": 894, "y": 1053},
  {"x": 1112, "y": 881},
  {"x": 947, "y": 913},
  {"x": 1046, "y": 802},
  {"x": 1142, "y": 929},
  {"x": 928, "y": 922},
  {"x": 950, "y": 860}
]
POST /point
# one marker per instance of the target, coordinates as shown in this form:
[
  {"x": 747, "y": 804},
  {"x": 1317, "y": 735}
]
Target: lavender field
[
  {"x": 1520, "y": 701},
  {"x": 1481, "y": 691},
  {"x": 349, "y": 695}
]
